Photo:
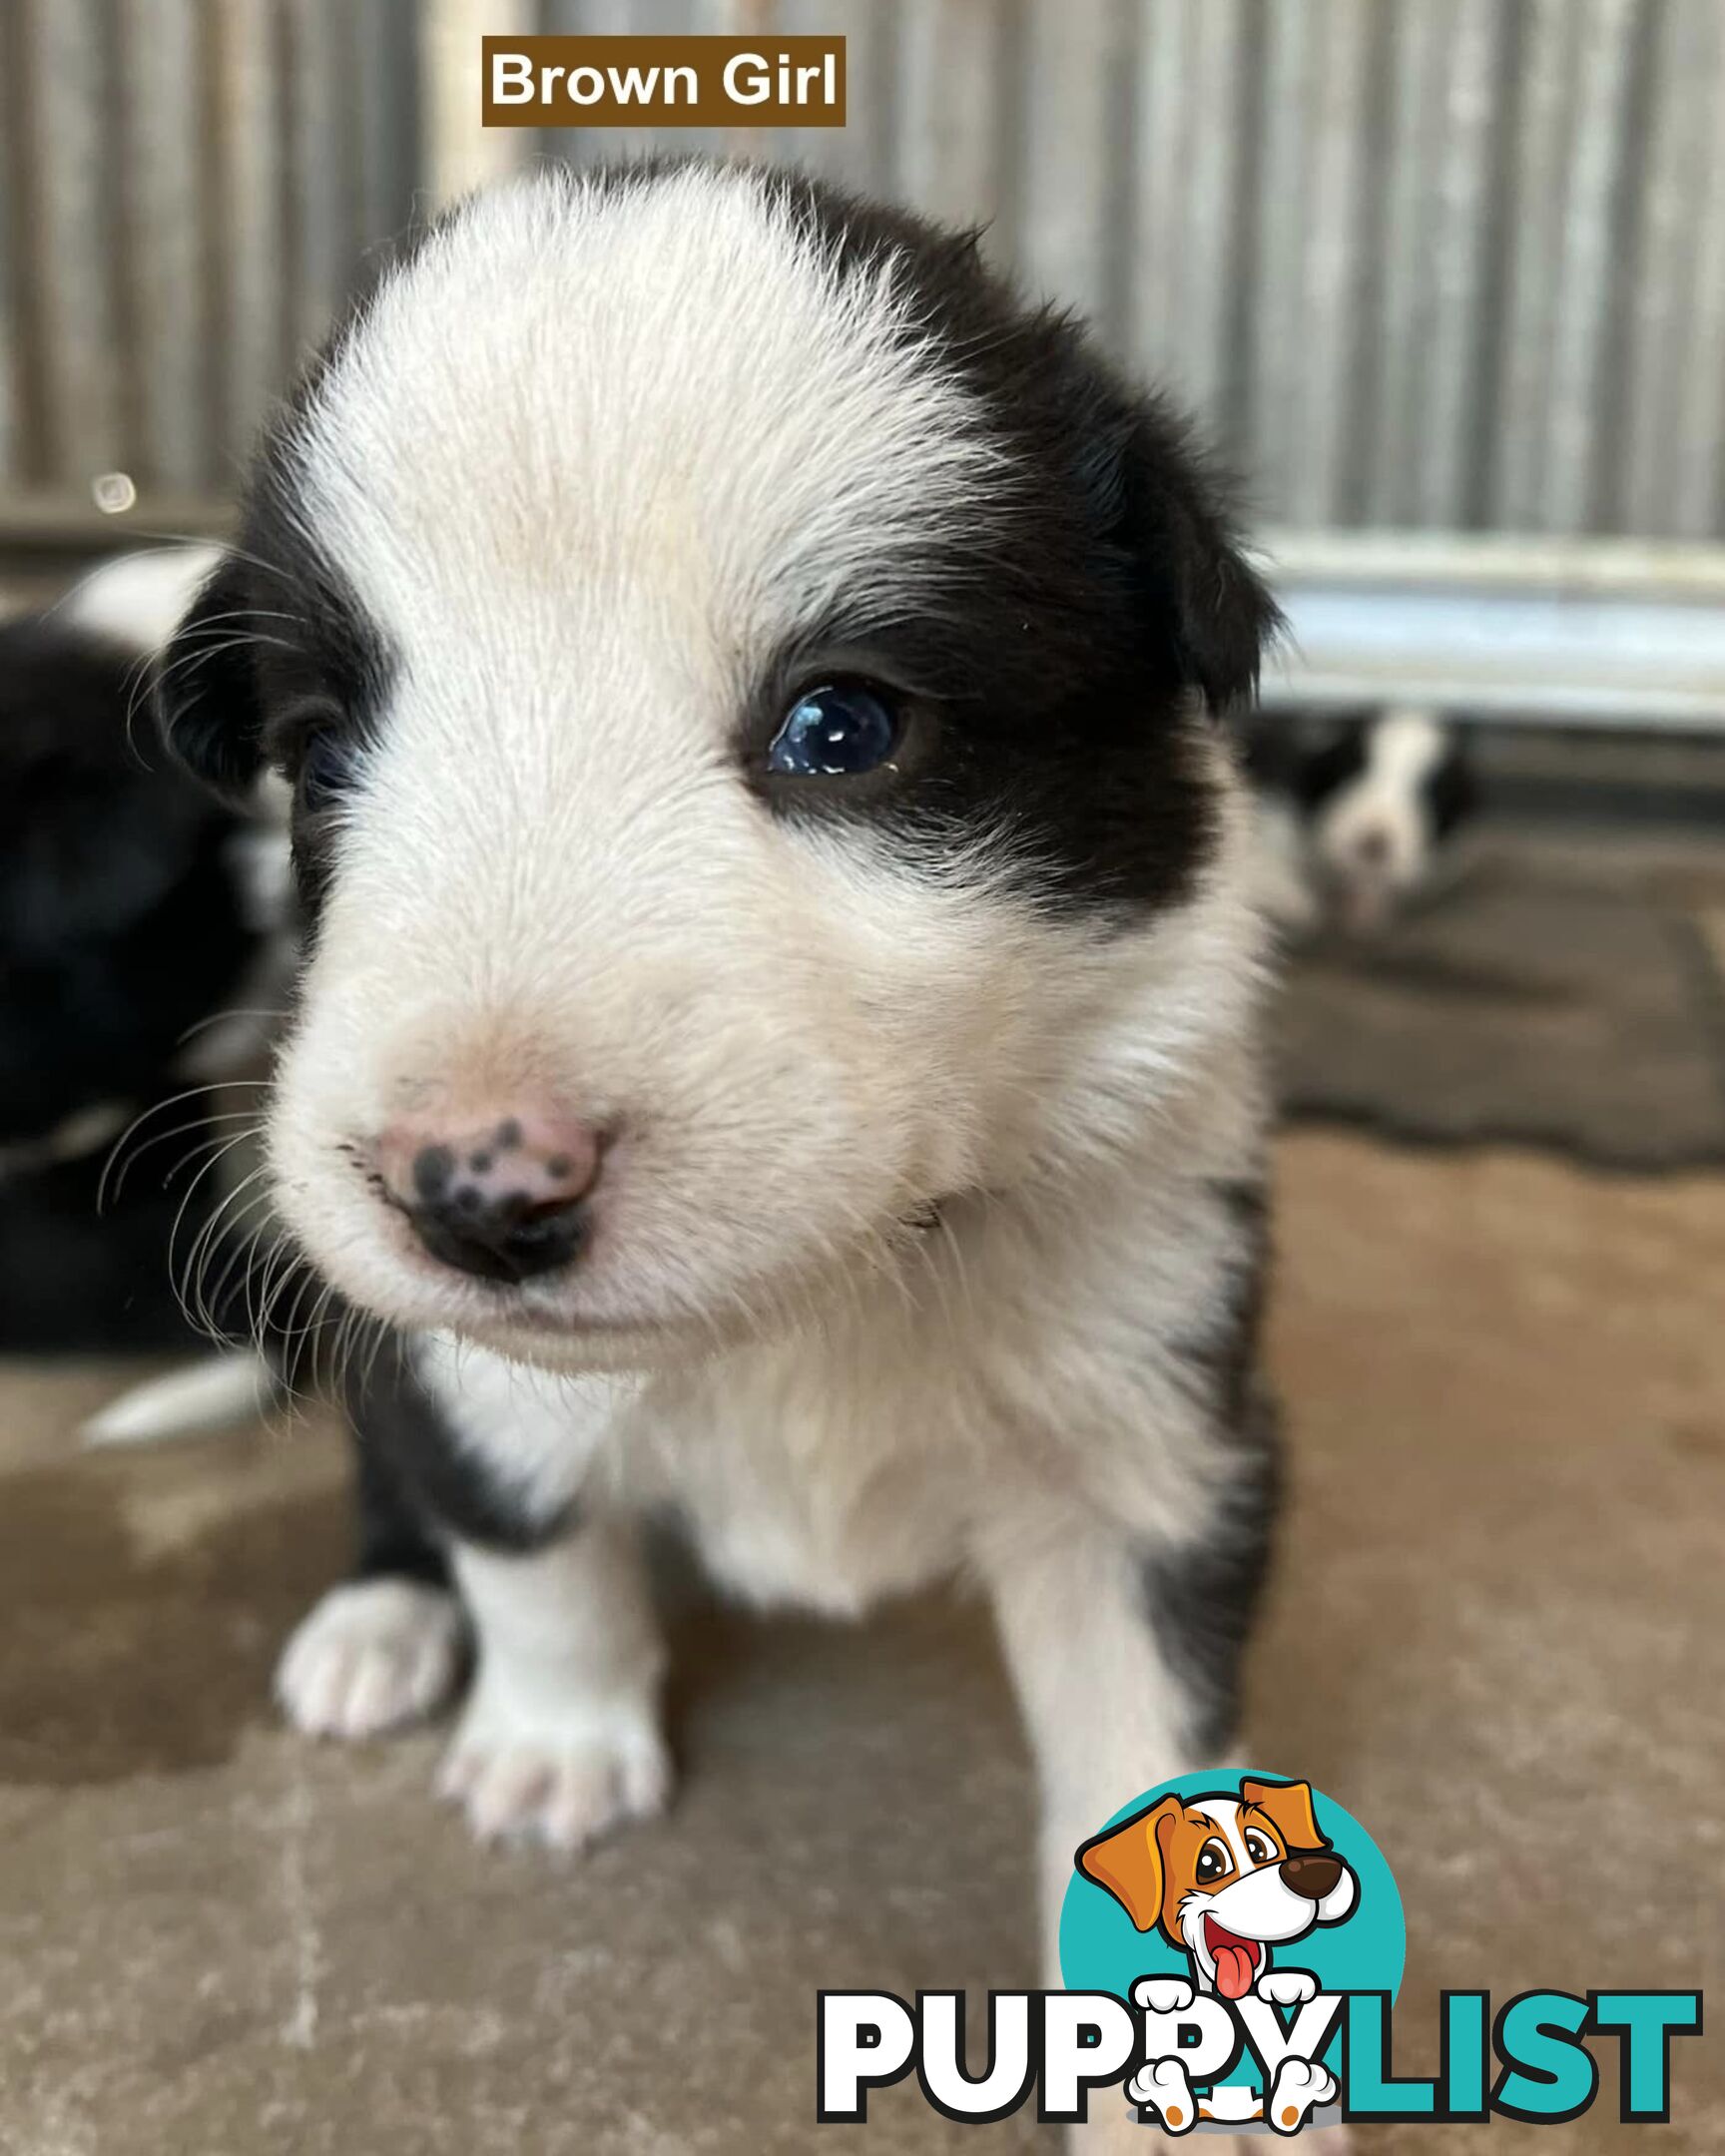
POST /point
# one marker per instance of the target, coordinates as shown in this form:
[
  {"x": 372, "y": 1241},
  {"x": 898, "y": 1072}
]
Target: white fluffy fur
[{"x": 583, "y": 528}]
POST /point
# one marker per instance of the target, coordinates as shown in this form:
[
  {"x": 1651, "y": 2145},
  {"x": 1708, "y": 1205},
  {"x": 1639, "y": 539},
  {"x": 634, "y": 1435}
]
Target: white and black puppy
[
  {"x": 778, "y": 1039},
  {"x": 1357, "y": 827}
]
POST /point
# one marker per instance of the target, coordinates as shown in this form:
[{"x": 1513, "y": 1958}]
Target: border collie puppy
[
  {"x": 1358, "y": 827},
  {"x": 123, "y": 927},
  {"x": 778, "y": 1039}
]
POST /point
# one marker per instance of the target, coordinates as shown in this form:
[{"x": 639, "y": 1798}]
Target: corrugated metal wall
[
  {"x": 1435, "y": 263},
  {"x": 186, "y": 190}
]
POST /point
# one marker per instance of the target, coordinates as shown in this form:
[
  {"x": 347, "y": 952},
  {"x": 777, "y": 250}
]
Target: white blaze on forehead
[{"x": 658, "y": 387}]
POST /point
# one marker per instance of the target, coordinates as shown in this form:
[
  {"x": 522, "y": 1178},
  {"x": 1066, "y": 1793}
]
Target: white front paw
[
  {"x": 560, "y": 1773},
  {"x": 1163, "y": 1994},
  {"x": 1300, "y": 2086},
  {"x": 1287, "y": 1987},
  {"x": 370, "y": 1656},
  {"x": 1163, "y": 2087}
]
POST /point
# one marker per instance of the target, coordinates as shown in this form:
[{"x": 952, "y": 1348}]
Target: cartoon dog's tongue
[{"x": 1235, "y": 1958}]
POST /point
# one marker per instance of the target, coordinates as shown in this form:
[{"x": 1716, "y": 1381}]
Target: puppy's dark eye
[
  {"x": 1259, "y": 1847},
  {"x": 834, "y": 731},
  {"x": 1213, "y": 1861},
  {"x": 325, "y": 772}
]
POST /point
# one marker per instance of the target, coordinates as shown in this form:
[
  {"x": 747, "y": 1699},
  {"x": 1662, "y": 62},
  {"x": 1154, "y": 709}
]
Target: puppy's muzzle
[
  {"x": 1312, "y": 1877},
  {"x": 503, "y": 1202}
]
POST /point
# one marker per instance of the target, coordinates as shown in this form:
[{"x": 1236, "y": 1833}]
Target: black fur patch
[
  {"x": 274, "y": 653},
  {"x": 78, "y": 1281},
  {"x": 1202, "y": 1598},
  {"x": 119, "y": 926},
  {"x": 394, "y": 1538},
  {"x": 1324, "y": 772},
  {"x": 1225, "y": 1358},
  {"x": 1059, "y": 640},
  {"x": 1448, "y": 794},
  {"x": 419, "y": 1484},
  {"x": 1453, "y": 790},
  {"x": 120, "y": 929}
]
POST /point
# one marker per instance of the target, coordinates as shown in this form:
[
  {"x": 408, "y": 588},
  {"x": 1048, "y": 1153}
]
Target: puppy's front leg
[
  {"x": 386, "y": 1646},
  {"x": 1114, "y": 1703},
  {"x": 560, "y": 1736},
  {"x": 560, "y": 1739},
  {"x": 475, "y": 1464},
  {"x": 1109, "y": 1707}
]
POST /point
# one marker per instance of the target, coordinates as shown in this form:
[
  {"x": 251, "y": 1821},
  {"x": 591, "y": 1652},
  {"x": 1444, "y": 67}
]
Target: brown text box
[{"x": 723, "y": 82}]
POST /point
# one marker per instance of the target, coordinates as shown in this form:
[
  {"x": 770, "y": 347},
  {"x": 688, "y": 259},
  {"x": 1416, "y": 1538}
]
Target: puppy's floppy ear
[
  {"x": 207, "y": 700},
  {"x": 1127, "y": 1861},
  {"x": 1177, "y": 521},
  {"x": 1287, "y": 1807}
]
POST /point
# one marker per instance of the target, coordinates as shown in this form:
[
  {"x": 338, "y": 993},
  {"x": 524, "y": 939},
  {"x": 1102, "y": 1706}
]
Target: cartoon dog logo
[
  {"x": 1227, "y": 1880},
  {"x": 1225, "y": 1877}
]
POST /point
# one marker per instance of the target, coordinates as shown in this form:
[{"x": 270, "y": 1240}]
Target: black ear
[
  {"x": 1178, "y": 514},
  {"x": 208, "y": 700}
]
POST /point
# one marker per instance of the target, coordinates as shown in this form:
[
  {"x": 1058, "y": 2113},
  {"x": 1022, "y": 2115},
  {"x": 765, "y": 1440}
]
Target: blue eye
[
  {"x": 325, "y": 772},
  {"x": 834, "y": 731}
]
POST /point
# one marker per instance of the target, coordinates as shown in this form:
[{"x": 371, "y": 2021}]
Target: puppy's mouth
[{"x": 1237, "y": 1959}]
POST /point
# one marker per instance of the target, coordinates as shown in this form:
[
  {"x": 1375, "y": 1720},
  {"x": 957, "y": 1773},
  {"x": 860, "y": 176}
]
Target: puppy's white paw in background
[
  {"x": 1287, "y": 1987},
  {"x": 372, "y": 1656},
  {"x": 560, "y": 1773},
  {"x": 1300, "y": 2086}
]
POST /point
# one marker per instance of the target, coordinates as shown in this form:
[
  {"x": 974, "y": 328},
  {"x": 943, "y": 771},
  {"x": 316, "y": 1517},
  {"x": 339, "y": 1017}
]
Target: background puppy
[
  {"x": 778, "y": 1033},
  {"x": 1360, "y": 824},
  {"x": 123, "y": 927}
]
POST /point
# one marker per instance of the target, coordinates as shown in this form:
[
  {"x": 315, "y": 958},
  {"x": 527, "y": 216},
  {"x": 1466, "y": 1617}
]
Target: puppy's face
[{"x": 743, "y": 682}]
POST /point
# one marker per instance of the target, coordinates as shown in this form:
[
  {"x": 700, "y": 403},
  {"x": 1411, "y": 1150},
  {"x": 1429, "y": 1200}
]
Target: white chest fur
[{"x": 1013, "y": 1372}]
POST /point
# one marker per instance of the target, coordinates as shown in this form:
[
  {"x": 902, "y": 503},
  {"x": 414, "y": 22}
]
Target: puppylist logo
[{"x": 1232, "y": 1947}]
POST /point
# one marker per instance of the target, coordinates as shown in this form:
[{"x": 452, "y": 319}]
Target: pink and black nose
[{"x": 505, "y": 1201}]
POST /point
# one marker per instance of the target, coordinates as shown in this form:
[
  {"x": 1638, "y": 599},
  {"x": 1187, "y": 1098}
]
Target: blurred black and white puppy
[
  {"x": 1365, "y": 822},
  {"x": 777, "y": 1041},
  {"x": 125, "y": 923}
]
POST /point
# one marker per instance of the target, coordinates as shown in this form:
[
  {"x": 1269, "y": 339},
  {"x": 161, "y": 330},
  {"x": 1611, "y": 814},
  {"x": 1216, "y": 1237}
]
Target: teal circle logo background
[{"x": 1102, "y": 1950}]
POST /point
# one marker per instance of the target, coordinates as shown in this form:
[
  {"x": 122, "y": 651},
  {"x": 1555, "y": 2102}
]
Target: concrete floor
[{"x": 1498, "y": 1636}]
